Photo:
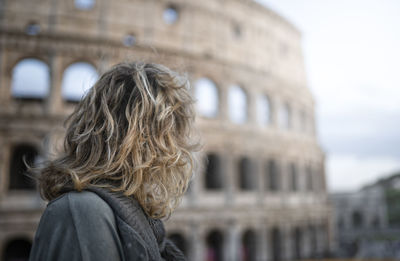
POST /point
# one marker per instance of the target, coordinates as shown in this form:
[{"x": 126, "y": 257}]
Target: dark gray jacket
[{"x": 99, "y": 225}]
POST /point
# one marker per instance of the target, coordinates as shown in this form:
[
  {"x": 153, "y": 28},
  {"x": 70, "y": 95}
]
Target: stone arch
[
  {"x": 213, "y": 172},
  {"x": 30, "y": 79},
  {"x": 247, "y": 174},
  {"x": 249, "y": 245},
  {"x": 21, "y": 154},
  {"x": 215, "y": 243},
  {"x": 17, "y": 249},
  {"x": 207, "y": 96},
  {"x": 238, "y": 103},
  {"x": 272, "y": 175},
  {"x": 180, "y": 241},
  {"x": 77, "y": 79}
]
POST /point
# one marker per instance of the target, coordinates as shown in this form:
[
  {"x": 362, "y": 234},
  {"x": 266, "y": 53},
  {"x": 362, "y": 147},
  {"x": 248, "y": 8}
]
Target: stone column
[
  {"x": 320, "y": 240},
  {"x": 197, "y": 243},
  {"x": 230, "y": 176},
  {"x": 5, "y": 80},
  {"x": 223, "y": 103},
  {"x": 260, "y": 172},
  {"x": 262, "y": 244},
  {"x": 4, "y": 168},
  {"x": 306, "y": 242},
  {"x": 252, "y": 107},
  {"x": 287, "y": 244},
  {"x": 232, "y": 244},
  {"x": 274, "y": 105},
  {"x": 54, "y": 101}
]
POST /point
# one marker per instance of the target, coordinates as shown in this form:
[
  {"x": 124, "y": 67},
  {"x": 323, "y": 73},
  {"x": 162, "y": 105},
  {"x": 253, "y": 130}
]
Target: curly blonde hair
[{"x": 131, "y": 133}]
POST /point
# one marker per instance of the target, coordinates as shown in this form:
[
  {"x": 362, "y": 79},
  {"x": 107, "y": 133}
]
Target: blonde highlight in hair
[{"x": 131, "y": 133}]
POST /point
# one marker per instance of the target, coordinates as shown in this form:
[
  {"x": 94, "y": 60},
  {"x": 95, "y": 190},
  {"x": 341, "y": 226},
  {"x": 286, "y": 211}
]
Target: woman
[{"x": 126, "y": 163}]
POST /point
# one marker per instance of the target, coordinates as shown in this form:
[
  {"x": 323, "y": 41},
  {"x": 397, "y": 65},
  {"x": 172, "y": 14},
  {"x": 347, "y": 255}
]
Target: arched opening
[
  {"x": 247, "y": 174},
  {"x": 293, "y": 177},
  {"x": 263, "y": 110},
  {"x": 32, "y": 28},
  {"x": 207, "y": 98},
  {"x": 272, "y": 176},
  {"x": 30, "y": 80},
  {"x": 249, "y": 246},
  {"x": 215, "y": 242},
  {"x": 129, "y": 40},
  {"x": 285, "y": 117},
  {"x": 357, "y": 219},
  {"x": 78, "y": 78},
  {"x": 179, "y": 241},
  {"x": 213, "y": 175},
  {"x": 237, "y": 104},
  {"x": 376, "y": 222},
  {"x": 297, "y": 243},
  {"x": 276, "y": 245},
  {"x": 85, "y": 4},
  {"x": 171, "y": 14},
  {"x": 20, "y": 155},
  {"x": 17, "y": 250}
]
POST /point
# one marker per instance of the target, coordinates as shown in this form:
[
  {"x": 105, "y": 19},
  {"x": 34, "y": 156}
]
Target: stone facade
[
  {"x": 280, "y": 213},
  {"x": 367, "y": 221}
]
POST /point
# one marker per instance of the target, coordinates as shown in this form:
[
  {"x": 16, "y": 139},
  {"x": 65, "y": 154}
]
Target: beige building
[{"x": 260, "y": 194}]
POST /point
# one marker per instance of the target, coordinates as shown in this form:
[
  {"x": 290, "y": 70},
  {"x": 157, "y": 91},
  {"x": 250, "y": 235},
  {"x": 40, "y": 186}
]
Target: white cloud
[
  {"x": 352, "y": 61},
  {"x": 347, "y": 172}
]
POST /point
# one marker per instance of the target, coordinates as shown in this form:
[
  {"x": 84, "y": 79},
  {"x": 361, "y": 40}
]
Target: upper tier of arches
[{"x": 31, "y": 79}]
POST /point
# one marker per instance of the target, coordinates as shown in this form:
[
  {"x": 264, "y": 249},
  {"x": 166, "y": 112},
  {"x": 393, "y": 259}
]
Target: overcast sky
[{"x": 352, "y": 57}]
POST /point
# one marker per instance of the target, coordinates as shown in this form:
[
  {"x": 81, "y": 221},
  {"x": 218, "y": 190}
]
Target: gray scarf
[{"x": 151, "y": 230}]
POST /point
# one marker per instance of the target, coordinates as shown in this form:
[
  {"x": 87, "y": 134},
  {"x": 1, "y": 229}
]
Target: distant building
[
  {"x": 367, "y": 221},
  {"x": 260, "y": 193}
]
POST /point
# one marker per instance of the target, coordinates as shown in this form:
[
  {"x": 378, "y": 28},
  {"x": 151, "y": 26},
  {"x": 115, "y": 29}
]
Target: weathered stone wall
[{"x": 227, "y": 41}]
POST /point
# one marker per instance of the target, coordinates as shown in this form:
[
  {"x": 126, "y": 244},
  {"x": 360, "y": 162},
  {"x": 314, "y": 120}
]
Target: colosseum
[{"x": 260, "y": 193}]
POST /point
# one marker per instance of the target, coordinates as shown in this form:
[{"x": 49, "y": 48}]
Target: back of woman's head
[{"x": 131, "y": 133}]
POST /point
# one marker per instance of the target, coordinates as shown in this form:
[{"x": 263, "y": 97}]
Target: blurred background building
[
  {"x": 260, "y": 193},
  {"x": 367, "y": 222}
]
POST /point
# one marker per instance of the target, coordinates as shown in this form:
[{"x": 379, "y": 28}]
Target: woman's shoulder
[
  {"x": 84, "y": 203},
  {"x": 77, "y": 226}
]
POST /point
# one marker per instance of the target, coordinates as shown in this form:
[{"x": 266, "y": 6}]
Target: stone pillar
[
  {"x": 287, "y": 243},
  {"x": 274, "y": 105},
  {"x": 320, "y": 240},
  {"x": 54, "y": 101},
  {"x": 5, "y": 149},
  {"x": 223, "y": 103},
  {"x": 306, "y": 242},
  {"x": 197, "y": 244},
  {"x": 232, "y": 244},
  {"x": 3, "y": 73},
  {"x": 252, "y": 108},
  {"x": 262, "y": 244},
  {"x": 230, "y": 177},
  {"x": 5, "y": 80},
  {"x": 260, "y": 173}
]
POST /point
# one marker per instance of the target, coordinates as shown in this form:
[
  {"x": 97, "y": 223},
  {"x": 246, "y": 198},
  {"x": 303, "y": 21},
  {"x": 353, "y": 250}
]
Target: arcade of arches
[
  {"x": 272, "y": 244},
  {"x": 249, "y": 172}
]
